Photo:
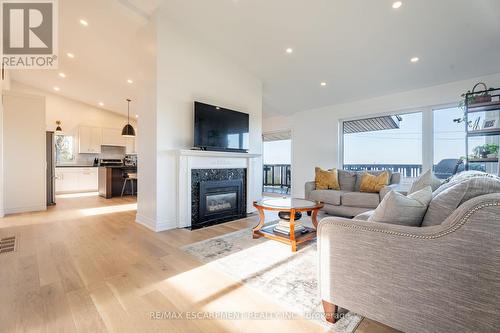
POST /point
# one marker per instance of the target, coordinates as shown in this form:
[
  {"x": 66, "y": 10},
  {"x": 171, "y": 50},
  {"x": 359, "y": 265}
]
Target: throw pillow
[
  {"x": 327, "y": 180},
  {"x": 456, "y": 193},
  {"x": 373, "y": 184},
  {"x": 347, "y": 180},
  {"x": 397, "y": 208},
  {"x": 425, "y": 179},
  {"x": 359, "y": 177}
]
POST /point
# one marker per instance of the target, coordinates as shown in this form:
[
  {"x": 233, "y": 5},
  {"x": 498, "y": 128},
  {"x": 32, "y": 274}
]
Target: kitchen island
[{"x": 111, "y": 180}]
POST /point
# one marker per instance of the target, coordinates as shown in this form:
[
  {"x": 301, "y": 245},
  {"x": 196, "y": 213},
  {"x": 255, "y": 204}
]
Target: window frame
[{"x": 427, "y": 149}]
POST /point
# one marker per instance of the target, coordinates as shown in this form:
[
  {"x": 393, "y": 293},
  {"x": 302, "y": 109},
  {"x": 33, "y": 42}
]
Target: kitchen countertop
[
  {"x": 118, "y": 167},
  {"x": 76, "y": 166}
]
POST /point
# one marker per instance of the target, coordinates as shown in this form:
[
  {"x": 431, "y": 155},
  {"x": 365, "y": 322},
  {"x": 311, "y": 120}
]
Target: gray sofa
[
  {"x": 441, "y": 277},
  {"x": 349, "y": 201}
]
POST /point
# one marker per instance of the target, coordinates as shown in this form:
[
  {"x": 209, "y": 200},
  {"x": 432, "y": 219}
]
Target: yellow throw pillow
[
  {"x": 373, "y": 184},
  {"x": 327, "y": 180}
]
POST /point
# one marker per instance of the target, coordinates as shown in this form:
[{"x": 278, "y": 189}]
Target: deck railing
[
  {"x": 277, "y": 175},
  {"x": 406, "y": 170}
]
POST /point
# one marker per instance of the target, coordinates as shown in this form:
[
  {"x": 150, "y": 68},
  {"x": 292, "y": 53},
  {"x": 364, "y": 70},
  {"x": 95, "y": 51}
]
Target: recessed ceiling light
[
  {"x": 57, "y": 88},
  {"x": 101, "y": 104},
  {"x": 397, "y": 4},
  {"x": 84, "y": 23},
  {"x": 323, "y": 84},
  {"x": 137, "y": 116},
  {"x": 130, "y": 81},
  {"x": 62, "y": 75},
  {"x": 289, "y": 50},
  {"x": 414, "y": 59},
  {"x": 70, "y": 55}
]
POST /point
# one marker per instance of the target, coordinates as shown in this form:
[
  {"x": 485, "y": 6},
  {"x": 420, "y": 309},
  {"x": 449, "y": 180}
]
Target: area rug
[{"x": 289, "y": 279}]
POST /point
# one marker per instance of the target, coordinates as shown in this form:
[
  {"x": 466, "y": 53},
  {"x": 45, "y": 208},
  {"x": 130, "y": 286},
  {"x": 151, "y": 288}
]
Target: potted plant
[
  {"x": 488, "y": 150},
  {"x": 470, "y": 98}
]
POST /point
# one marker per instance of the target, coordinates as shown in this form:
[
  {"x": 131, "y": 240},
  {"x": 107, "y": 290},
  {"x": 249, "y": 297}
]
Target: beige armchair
[{"x": 443, "y": 278}]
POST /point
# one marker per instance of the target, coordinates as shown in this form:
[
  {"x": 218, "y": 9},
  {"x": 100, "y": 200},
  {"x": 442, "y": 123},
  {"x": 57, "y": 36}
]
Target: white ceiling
[
  {"x": 114, "y": 47},
  {"x": 360, "y": 48}
]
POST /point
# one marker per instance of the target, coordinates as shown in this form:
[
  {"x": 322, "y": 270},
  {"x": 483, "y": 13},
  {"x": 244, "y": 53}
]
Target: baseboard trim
[
  {"x": 19, "y": 210},
  {"x": 154, "y": 225}
]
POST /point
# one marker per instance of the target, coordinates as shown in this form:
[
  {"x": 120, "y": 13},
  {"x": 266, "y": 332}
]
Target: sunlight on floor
[
  {"x": 77, "y": 195},
  {"x": 108, "y": 210}
]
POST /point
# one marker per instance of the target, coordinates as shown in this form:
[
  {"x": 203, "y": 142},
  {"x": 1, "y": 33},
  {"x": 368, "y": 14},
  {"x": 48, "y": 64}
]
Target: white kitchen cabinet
[
  {"x": 75, "y": 179},
  {"x": 90, "y": 140},
  {"x": 113, "y": 137}
]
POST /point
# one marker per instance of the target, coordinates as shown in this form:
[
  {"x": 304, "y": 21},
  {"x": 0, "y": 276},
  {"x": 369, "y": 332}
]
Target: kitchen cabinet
[
  {"x": 76, "y": 179},
  {"x": 113, "y": 137},
  {"x": 90, "y": 140}
]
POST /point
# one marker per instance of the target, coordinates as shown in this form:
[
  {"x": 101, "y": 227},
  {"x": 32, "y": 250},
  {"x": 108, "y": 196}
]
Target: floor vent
[{"x": 7, "y": 244}]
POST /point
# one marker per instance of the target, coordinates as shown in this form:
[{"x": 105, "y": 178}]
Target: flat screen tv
[{"x": 219, "y": 129}]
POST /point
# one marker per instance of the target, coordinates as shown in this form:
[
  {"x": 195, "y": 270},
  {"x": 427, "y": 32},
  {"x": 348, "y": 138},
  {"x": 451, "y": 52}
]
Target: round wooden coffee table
[{"x": 292, "y": 206}]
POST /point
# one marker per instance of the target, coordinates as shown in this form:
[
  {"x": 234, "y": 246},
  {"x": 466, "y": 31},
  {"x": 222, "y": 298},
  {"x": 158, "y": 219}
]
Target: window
[
  {"x": 64, "y": 149},
  {"x": 449, "y": 142},
  {"x": 388, "y": 142}
]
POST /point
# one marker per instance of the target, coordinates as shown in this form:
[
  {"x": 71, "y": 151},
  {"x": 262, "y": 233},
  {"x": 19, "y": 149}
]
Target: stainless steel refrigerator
[{"x": 51, "y": 168}]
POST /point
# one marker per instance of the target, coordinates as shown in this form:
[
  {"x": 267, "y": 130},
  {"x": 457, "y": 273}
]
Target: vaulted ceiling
[{"x": 358, "y": 48}]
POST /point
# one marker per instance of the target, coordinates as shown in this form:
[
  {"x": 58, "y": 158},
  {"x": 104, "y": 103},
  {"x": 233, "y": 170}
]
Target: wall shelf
[
  {"x": 482, "y": 107},
  {"x": 490, "y": 134}
]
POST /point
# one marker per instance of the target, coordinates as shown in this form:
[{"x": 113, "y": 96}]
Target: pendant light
[
  {"x": 59, "y": 130},
  {"x": 128, "y": 131}
]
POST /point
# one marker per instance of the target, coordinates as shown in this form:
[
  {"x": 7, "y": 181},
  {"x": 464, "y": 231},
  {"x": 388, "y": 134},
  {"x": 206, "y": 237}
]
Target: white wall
[
  {"x": 24, "y": 153},
  {"x": 188, "y": 71},
  {"x": 4, "y": 86},
  {"x": 315, "y": 133},
  {"x": 72, "y": 113},
  {"x": 276, "y": 124}
]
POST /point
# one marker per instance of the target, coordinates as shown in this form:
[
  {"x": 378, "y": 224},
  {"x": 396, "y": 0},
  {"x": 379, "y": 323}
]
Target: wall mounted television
[{"x": 220, "y": 129}]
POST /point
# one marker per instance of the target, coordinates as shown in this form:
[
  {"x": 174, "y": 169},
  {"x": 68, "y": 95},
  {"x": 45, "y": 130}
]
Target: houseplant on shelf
[
  {"x": 469, "y": 98},
  {"x": 488, "y": 150}
]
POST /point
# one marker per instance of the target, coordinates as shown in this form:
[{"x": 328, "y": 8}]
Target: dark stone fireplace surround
[{"x": 217, "y": 180}]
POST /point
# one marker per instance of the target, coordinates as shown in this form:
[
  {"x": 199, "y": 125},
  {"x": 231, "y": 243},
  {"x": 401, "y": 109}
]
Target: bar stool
[{"x": 129, "y": 176}]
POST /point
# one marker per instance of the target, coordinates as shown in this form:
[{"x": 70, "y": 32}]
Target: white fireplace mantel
[{"x": 188, "y": 160}]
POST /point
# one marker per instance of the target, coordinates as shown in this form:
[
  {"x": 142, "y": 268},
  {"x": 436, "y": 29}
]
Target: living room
[{"x": 314, "y": 166}]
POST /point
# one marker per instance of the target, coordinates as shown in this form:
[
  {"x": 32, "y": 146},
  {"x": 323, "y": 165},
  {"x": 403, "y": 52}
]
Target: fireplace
[{"x": 218, "y": 195}]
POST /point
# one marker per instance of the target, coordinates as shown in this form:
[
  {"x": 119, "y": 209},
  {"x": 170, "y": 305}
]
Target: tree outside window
[{"x": 64, "y": 149}]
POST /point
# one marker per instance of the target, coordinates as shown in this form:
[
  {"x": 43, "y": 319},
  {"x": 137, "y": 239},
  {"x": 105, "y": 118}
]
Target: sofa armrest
[
  {"x": 386, "y": 189},
  {"x": 391, "y": 273},
  {"x": 309, "y": 187}
]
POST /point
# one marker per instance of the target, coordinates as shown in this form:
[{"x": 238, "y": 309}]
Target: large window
[
  {"x": 64, "y": 149},
  {"x": 387, "y": 142},
  {"x": 449, "y": 142}
]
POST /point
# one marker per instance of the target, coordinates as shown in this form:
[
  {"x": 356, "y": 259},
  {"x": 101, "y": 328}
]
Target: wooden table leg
[
  {"x": 261, "y": 223},
  {"x": 314, "y": 218},
  {"x": 292, "y": 230},
  {"x": 330, "y": 312}
]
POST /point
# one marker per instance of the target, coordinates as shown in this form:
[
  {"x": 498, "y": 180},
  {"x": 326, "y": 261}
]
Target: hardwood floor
[{"x": 86, "y": 266}]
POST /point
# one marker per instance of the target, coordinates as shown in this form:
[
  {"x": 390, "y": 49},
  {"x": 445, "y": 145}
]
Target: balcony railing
[
  {"x": 277, "y": 175},
  {"x": 406, "y": 170}
]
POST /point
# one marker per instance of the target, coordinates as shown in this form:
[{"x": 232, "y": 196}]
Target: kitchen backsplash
[{"x": 107, "y": 152}]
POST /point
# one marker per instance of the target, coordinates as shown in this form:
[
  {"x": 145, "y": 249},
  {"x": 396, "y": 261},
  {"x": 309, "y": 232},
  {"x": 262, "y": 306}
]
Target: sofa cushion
[
  {"x": 397, "y": 208},
  {"x": 331, "y": 197},
  {"x": 425, "y": 179},
  {"x": 450, "y": 196},
  {"x": 373, "y": 184},
  {"x": 326, "y": 179},
  {"x": 359, "y": 176},
  {"x": 364, "y": 216},
  {"x": 347, "y": 180},
  {"x": 359, "y": 199}
]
